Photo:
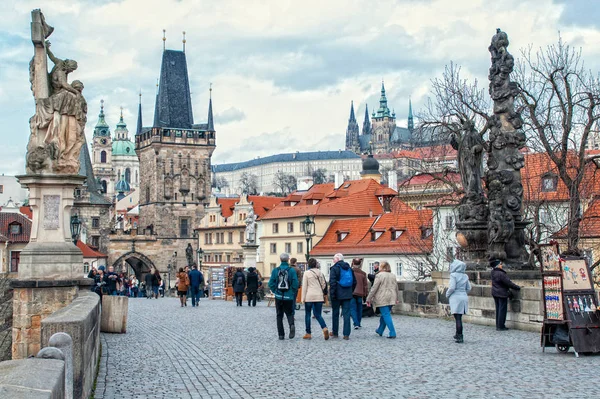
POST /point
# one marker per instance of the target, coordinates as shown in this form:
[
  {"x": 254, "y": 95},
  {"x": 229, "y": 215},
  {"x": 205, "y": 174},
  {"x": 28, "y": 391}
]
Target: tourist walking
[
  {"x": 501, "y": 286},
  {"x": 133, "y": 286},
  {"x": 375, "y": 271},
  {"x": 384, "y": 295},
  {"x": 457, "y": 294},
  {"x": 182, "y": 283},
  {"x": 314, "y": 290},
  {"x": 251, "y": 286},
  {"x": 360, "y": 291},
  {"x": 284, "y": 285},
  {"x": 294, "y": 265},
  {"x": 196, "y": 280},
  {"x": 239, "y": 285},
  {"x": 341, "y": 286},
  {"x": 149, "y": 281},
  {"x": 157, "y": 283}
]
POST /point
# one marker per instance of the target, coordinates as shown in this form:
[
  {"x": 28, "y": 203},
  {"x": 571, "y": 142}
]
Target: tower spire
[
  {"x": 101, "y": 128},
  {"x": 183, "y": 41},
  {"x": 139, "y": 120},
  {"x": 383, "y": 107},
  {"x": 352, "y": 142},
  {"x": 352, "y": 117},
  {"x": 211, "y": 125},
  {"x": 366, "y": 122},
  {"x": 164, "y": 39},
  {"x": 411, "y": 124}
]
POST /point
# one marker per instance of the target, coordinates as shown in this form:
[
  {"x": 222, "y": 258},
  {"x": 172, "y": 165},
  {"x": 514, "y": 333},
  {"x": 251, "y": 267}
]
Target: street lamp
[
  {"x": 75, "y": 228},
  {"x": 308, "y": 233},
  {"x": 169, "y": 267},
  {"x": 200, "y": 253}
]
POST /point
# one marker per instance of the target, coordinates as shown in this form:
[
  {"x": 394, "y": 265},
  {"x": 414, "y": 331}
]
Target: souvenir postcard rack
[
  {"x": 571, "y": 316},
  {"x": 217, "y": 282}
]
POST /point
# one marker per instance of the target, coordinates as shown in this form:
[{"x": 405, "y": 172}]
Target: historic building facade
[{"x": 175, "y": 155}]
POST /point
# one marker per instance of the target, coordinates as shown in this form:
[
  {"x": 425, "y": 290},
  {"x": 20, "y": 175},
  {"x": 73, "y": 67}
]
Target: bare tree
[
  {"x": 248, "y": 183},
  {"x": 319, "y": 176},
  {"x": 220, "y": 183},
  {"x": 284, "y": 182}
]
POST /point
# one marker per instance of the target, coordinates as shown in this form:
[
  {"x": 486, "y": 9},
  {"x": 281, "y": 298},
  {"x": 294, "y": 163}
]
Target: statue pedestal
[
  {"x": 51, "y": 266},
  {"x": 249, "y": 253},
  {"x": 473, "y": 239}
]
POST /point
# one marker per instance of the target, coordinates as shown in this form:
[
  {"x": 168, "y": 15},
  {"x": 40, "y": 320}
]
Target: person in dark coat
[
  {"x": 500, "y": 291},
  {"x": 372, "y": 276},
  {"x": 457, "y": 294},
  {"x": 251, "y": 286},
  {"x": 196, "y": 280},
  {"x": 239, "y": 285},
  {"x": 340, "y": 295}
]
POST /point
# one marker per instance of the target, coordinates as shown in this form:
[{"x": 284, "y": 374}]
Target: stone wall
[
  {"x": 81, "y": 320},
  {"x": 32, "y": 378},
  {"x": 30, "y": 306}
]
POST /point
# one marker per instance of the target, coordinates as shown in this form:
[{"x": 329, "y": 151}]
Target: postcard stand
[{"x": 570, "y": 304}]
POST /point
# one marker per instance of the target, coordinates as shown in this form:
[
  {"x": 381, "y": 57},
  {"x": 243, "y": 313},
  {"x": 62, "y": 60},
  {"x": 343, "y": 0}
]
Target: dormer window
[
  {"x": 549, "y": 182},
  {"x": 396, "y": 233},
  {"x": 375, "y": 234},
  {"x": 15, "y": 228},
  {"x": 292, "y": 203},
  {"x": 426, "y": 232},
  {"x": 341, "y": 235}
]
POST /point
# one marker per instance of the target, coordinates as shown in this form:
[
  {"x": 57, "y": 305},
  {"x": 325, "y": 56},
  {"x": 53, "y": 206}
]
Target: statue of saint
[
  {"x": 189, "y": 255},
  {"x": 470, "y": 148},
  {"x": 251, "y": 227}
]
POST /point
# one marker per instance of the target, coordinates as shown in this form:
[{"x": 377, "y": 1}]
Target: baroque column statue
[{"x": 506, "y": 237}]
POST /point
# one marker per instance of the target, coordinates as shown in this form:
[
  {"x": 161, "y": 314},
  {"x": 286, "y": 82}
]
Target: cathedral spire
[
  {"x": 352, "y": 142},
  {"x": 352, "y": 117},
  {"x": 383, "y": 107},
  {"x": 211, "y": 125},
  {"x": 411, "y": 124},
  {"x": 139, "y": 120},
  {"x": 366, "y": 122}
]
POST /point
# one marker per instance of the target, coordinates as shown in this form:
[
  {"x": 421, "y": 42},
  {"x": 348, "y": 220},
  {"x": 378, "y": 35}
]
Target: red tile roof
[
  {"x": 431, "y": 179},
  {"x": 444, "y": 151},
  {"x": 9, "y": 218},
  {"x": 27, "y": 211},
  {"x": 89, "y": 252},
  {"x": 358, "y": 241},
  {"x": 261, "y": 204},
  {"x": 227, "y": 206}
]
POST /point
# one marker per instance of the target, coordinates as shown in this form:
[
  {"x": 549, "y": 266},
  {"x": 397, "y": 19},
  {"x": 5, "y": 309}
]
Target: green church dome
[{"x": 123, "y": 147}]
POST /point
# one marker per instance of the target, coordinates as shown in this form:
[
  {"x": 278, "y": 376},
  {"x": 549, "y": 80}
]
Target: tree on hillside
[
  {"x": 319, "y": 176},
  {"x": 220, "y": 183},
  {"x": 286, "y": 183},
  {"x": 248, "y": 183}
]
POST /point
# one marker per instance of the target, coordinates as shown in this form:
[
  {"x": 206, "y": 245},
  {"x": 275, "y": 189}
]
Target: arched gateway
[{"x": 139, "y": 262}]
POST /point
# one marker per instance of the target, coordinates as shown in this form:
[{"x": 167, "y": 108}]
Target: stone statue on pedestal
[
  {"x": 251, "y": 227},
  {"x": 57, "y": 128},
  {"x": 189, "y": 255}
]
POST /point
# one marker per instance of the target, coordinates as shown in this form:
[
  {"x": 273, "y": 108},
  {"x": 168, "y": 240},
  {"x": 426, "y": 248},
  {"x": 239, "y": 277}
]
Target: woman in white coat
[
  {"x": 384, "y": 295},
  {"x": 457, "y": 294},
  {"x": 313, "y": 295}
]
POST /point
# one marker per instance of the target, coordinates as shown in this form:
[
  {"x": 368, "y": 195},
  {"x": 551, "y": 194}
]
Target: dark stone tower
[
  {"x": 352, "y": 143},
  {"x": 366, "y": 129}
]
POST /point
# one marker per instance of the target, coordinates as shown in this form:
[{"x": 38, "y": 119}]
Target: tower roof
[
  {"x": 121, "y": 131},
  {"x": 383, "y": 107},
  {"x": 86, "y": 170},
  {"x": 210, "y": 125},
  {"x": 139, "y": 120},
  {"x": 101, "y": 128},
  {"x": 173, "y": 101},
  {"x": 366, "y": 122},
  {"x": 411, "y": 123},
  {"x": 352, "y": 117}
]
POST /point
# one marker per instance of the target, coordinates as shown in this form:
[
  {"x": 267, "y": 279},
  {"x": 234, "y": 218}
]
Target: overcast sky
[{"x": 283, "y": 71}]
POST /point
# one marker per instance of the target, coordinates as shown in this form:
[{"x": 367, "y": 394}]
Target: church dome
[
  {"x": 122, "y": 186},
  {"x": 370, "y": 166},
  {"x": 123, "y": 147}
]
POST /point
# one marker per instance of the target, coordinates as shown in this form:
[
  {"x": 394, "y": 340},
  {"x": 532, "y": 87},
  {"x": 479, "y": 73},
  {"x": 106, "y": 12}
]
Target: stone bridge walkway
[{"x": 221, "y": 351}]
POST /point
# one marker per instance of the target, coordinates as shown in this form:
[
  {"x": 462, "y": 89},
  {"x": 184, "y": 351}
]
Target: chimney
[
  {"x": 370, "y": 213},
  {"x": 304, "y": 183},
  {"x": 393, "y": 180},
  {"x": 339, "y": 179}
]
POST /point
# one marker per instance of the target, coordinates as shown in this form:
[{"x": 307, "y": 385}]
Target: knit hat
[{"x": 495, "y": 262}]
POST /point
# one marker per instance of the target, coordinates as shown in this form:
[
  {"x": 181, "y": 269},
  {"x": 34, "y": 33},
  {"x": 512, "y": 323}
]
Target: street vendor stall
[{"x": 571, "y": 316}]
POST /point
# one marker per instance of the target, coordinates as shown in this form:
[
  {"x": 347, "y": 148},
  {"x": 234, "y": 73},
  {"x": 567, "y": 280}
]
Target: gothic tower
[
  {"x": 174, "y": 159},
  {"x": 411, "y": 123},
  {"x": 102, "y": 153},
  {"x": 352, "y": 143},
  {"x": 366, "y": 129},
  {"x": 383, "y": 124}
]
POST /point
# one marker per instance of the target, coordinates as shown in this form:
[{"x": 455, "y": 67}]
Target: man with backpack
[
  {"x": 341, "y": 286},
  {"x": 284, "y": 286},
  {"x": 196, "y": 280}
]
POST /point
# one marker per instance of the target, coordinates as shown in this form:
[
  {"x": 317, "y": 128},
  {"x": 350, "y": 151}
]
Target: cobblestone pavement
[{"x": 222, "y": 351}]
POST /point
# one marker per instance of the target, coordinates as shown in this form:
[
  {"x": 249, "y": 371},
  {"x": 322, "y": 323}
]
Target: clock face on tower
[{"x": 103, "y": 141}]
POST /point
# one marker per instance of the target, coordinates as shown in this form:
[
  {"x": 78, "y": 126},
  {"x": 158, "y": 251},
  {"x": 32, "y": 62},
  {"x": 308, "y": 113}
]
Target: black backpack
[
  {"x": 283, "y": 280},
  {"x": 239, "y": 280}
]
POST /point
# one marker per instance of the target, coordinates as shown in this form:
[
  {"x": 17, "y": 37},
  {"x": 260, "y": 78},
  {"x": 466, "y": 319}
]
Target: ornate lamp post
[
  {"x": 200, "y": 253},
  {"x": 309, "y": 226},
  {"x": 75, "y": 228}
]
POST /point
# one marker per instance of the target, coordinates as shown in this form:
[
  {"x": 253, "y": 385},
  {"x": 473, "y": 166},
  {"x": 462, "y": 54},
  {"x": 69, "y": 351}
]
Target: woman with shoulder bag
[
  {"x": 314, "y": 290},
  {"x": 384, "y": 295}
]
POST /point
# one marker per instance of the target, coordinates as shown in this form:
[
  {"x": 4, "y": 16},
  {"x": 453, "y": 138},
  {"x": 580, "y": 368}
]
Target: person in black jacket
[
  {"x": 251, "y": 286},
  {"x": 342, "y": 283},
  {"x": 500, "y": 291},
  {"x": 239, "y": 285}
]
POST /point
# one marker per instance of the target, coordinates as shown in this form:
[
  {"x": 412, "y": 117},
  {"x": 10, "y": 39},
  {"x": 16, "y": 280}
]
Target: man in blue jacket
[
  {"x": 341, "y": 286},
  {"x": 196, "y": 280},
  {"x": 284, "y": 286}
]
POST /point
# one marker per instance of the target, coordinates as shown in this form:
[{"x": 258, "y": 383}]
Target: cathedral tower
[
  {"x": 102, "y": 153},
  {"x": 383, "y": 125},
  {"x": 352, "y": 143}
]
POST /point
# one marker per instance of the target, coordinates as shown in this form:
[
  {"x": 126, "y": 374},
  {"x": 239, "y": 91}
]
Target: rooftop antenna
[
  {"x": 164, "y": 39},
  {"x": 210, "y": 91},
  {"x": 183, "y": 41}
]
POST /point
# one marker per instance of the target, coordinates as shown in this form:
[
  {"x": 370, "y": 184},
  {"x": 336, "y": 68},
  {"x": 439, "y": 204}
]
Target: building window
[
  {"x": 15, "y": 257},
  {"x": 421, "y": 269},
  {"x": 273, "y": 248},
  {"x": 128, "y": 175},
  {"x": 86, "y": 268},
  {"x": 103, "y": 157},
  {"x": 147, "y": 195},
  {"x": 15, "y": 228},
  {"x": 104, "y": 186},
  {"x": 426, "y": 232},
  {"x": 230, "y": 238},
  {"x": 95, "y": 242},
  {"x": 396, "y": 234},
  {"x": 207, "y": 238},
  {"x": 184, "y": 227},
  {"x": 371, "y": 267},
  {"x": 228, "y": 258},
  {"x": 341, "y": 235},
  {"x": 300, "y": 247},
  {"x": 549, "y": 183},
  {"x": 275, "y": 228},
  {"x": 398, "y": 269},
  {"x": 449, "y": 254},
  {"x": 273, "y": 266},
  {"x": 375, "y": 235},
  {"x": 301, "y": 227},
  {"x": 290, "y": 227},
  {"x": 1, "y": 189},
  {"x": 544, "y": 216},
  {"x": 288, "y": 247},
  {"x": 241, "y": 237},
  {"x": 449, "y": 222},
  {"x": 95, "y": 223}
]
